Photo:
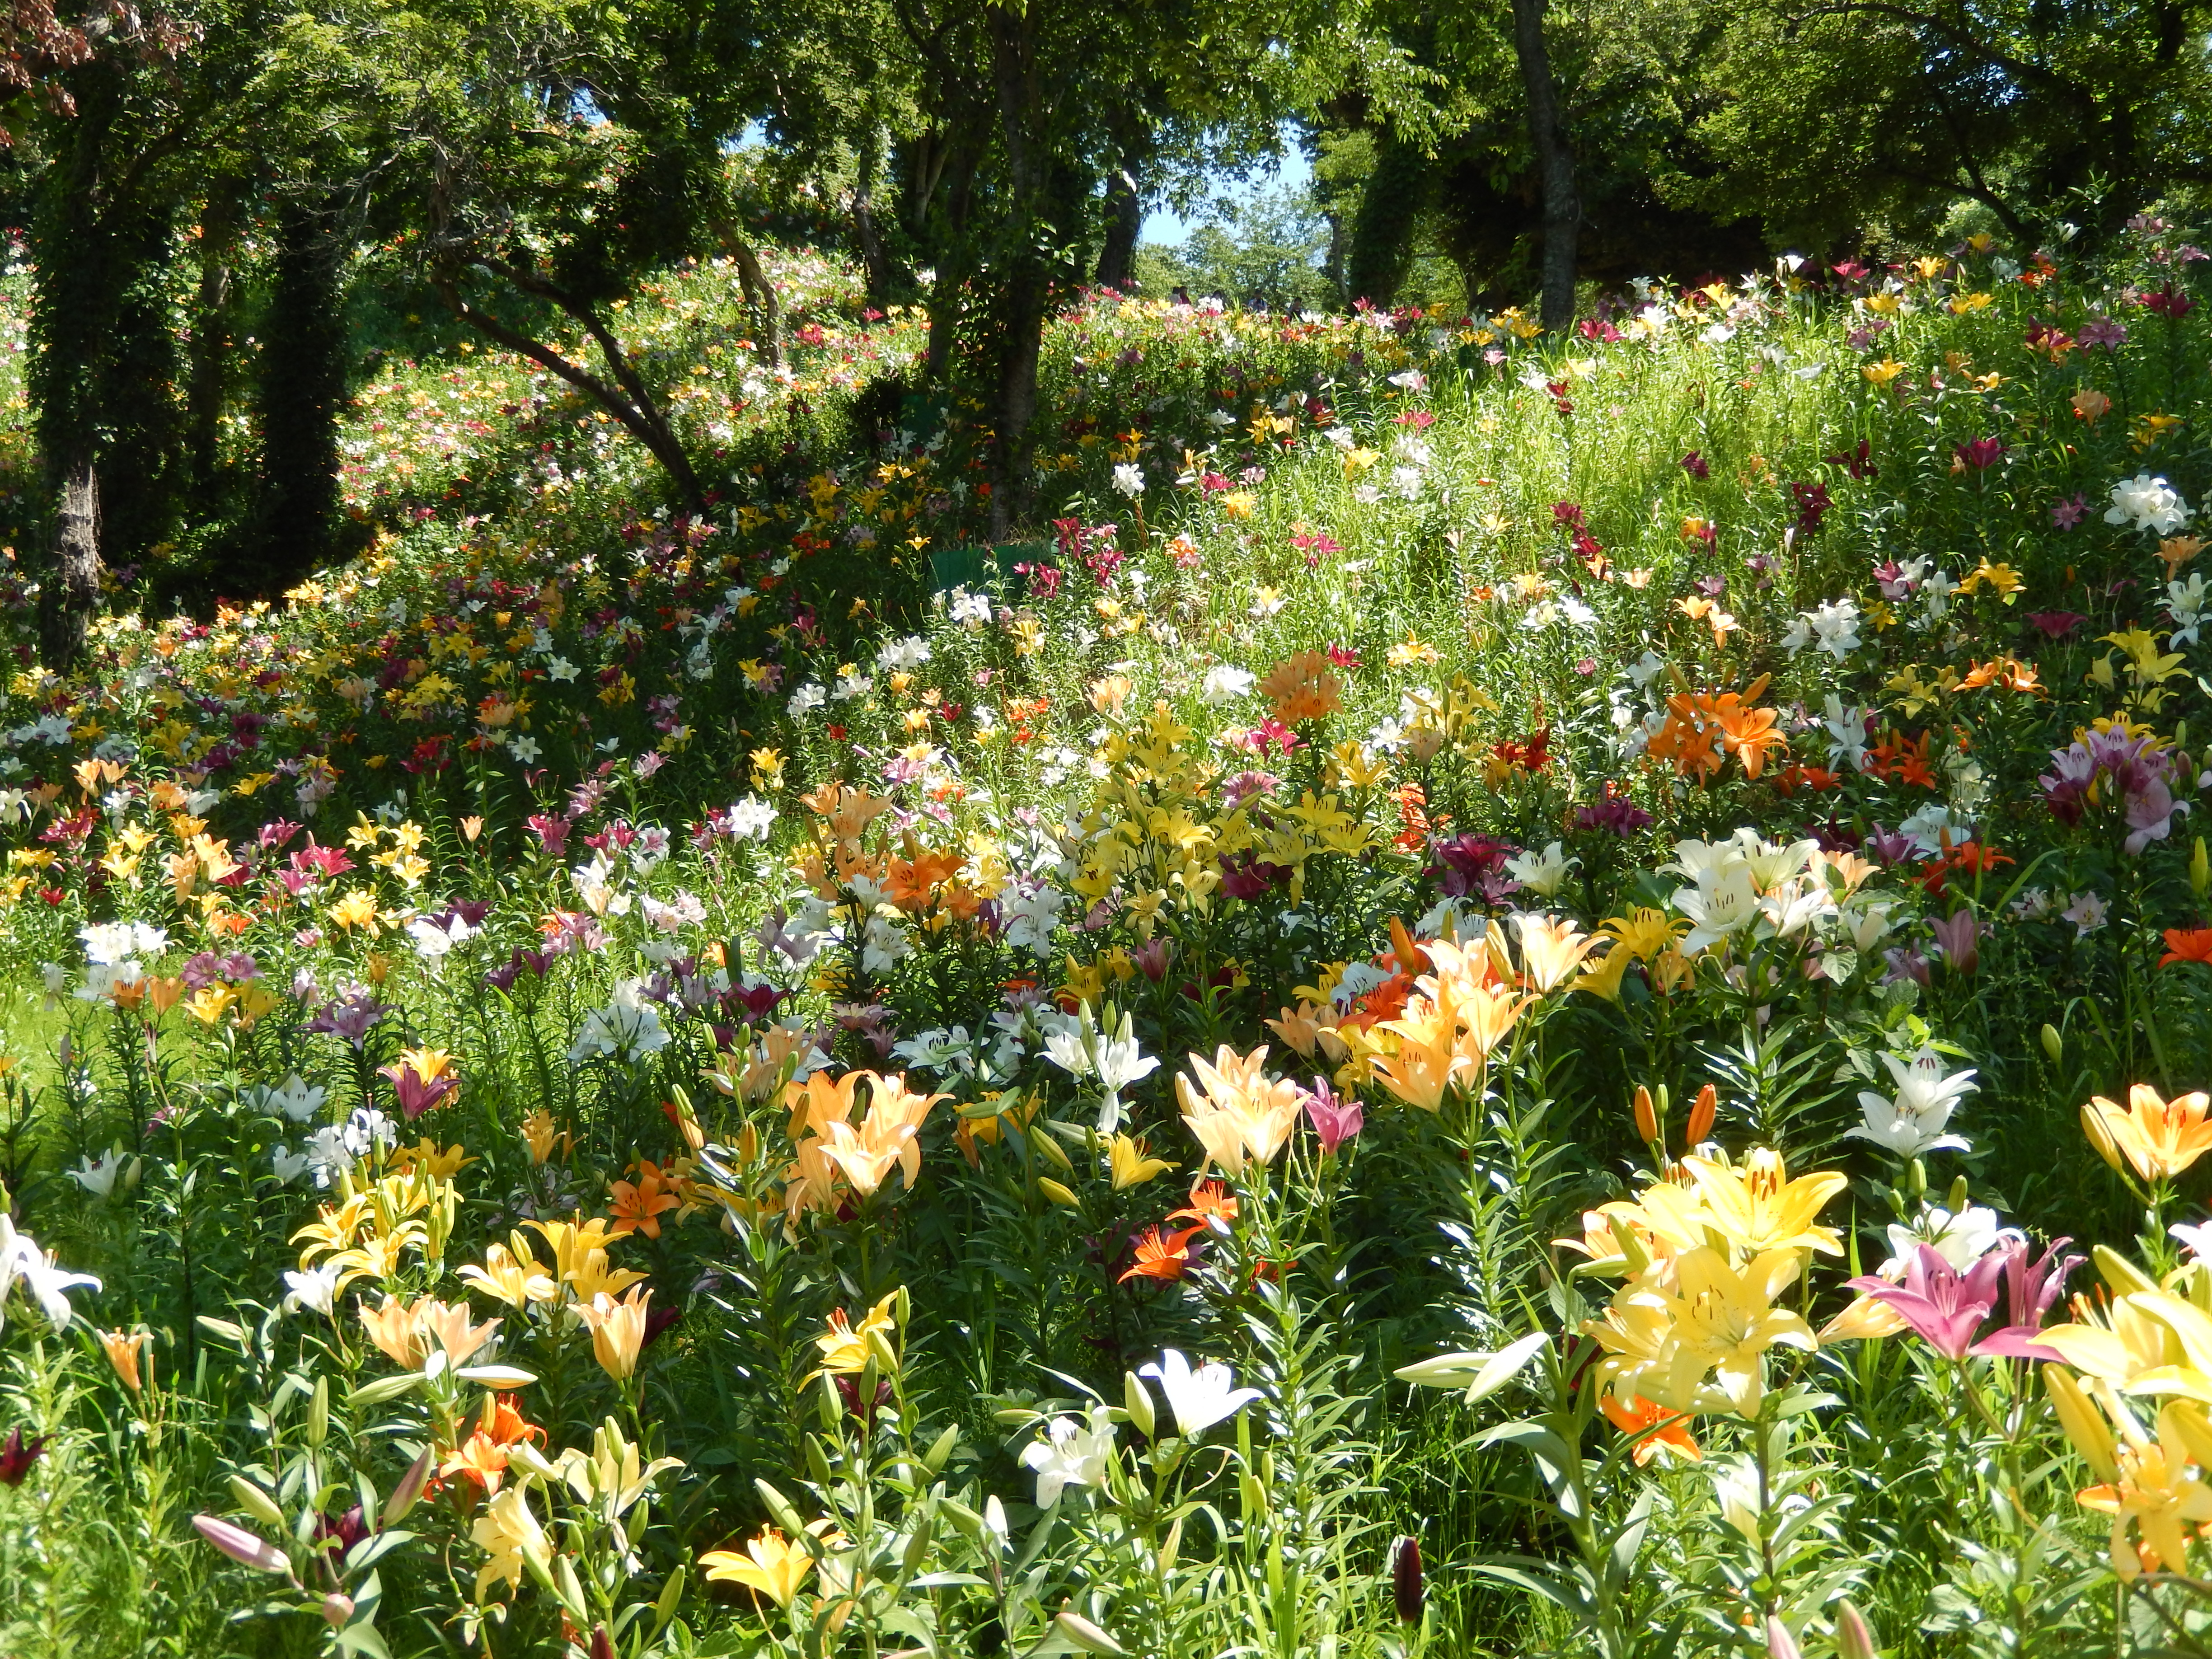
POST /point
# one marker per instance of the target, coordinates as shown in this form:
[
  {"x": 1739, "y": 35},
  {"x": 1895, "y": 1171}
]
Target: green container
[
  {"x": 984, "y": 566},
  {"x": 922, "y": 415}
]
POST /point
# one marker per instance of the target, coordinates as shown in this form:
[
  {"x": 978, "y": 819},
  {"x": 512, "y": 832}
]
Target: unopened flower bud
[
  {"x": 1406, "y": 1588},
  {"x": 2054, "y": 1046},
  {"x": 2084, "y": 1423},
  {"x": 2200, "y": 871},
  {"x": 1647, "y": 1116},
  {"x": 2100, "y": 1135},
  {"x": 1138, "y": 1401},
  {"x": 336, "y": 1609},
  {"x": 409, "y": 1488},
  {"x": 1780, "y": 1643},
  {"x": 1701, "y": 1114},
  {"x": 1854, "y": 1638}
]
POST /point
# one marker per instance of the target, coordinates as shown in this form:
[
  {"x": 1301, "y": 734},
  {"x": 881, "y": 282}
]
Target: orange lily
[{"x": 2159, "y": 1138}]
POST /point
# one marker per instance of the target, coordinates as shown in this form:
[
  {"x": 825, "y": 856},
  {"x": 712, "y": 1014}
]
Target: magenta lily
[
  {"x": 2032, "y": 1287},
  {"x": 1944, "y": 1305}
]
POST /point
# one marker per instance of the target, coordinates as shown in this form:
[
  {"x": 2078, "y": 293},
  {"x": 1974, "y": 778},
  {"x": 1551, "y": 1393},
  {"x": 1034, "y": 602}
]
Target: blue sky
[{"x": 1290, "y": 169}]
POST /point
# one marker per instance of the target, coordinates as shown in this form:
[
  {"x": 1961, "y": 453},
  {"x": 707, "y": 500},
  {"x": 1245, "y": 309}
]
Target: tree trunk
[
  {"x": 874, "y": 262},
  {"x": 73, "y": 326},
  {"x": 1015, "y": 75},
  {"x": 867, "y": 234},
  {"x": 299, "y": 397},
  {"x": 70, "y": 592},
  {"x": 953, "y": 259},
  {"x": 1023, "y": 342},
  {"x": 1381, "y": 250},
  {"x": 211, "y": 342},
  {"x": 759, "y": 292},
  {"x": 628, "y": 400},
  {"x": 1124, "y": 223},
  {"x": 1563, "y": 209}
]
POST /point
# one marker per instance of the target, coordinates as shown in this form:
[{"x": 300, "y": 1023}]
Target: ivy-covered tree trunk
[
  {"x": 1563, "y": 208},
  {"x": 70, "y": 325},
  {"x": 955, "y": 261},
  {"x": 69, "y": 596},
  {"x": 105, "y": 364},
  {"x": 213, "y": 334},
  {"x": 140, "y": 406},
  {"x": 1017, "y": 77},
  {"x": 884, "y": 278},
  {"x": 299, "y": 396},
  {"x": 753, "y": 282},
  {"x": 1382, "y": 230},
  {"x": 1125, "y": 221}
]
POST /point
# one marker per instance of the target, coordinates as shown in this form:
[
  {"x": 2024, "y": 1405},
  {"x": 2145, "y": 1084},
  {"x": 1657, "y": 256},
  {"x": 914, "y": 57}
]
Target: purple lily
[
  {"x": 1891, "y": 847},
  {"x": 1959, "y": 936},
  {"x": 1335, "y": 1120}
]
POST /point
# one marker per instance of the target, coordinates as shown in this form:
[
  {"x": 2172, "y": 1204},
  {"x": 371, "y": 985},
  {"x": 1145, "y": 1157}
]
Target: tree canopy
[{"x": 217, "y": 193}]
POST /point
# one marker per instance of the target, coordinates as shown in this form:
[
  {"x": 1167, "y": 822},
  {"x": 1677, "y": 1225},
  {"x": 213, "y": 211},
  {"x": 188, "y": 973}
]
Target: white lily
[
  {"x": 21, "y": 1258},
  {"x": 98, "y": 1176},
  {"x": 1071, "y": 1454},
  {"x": 1913, "y": 1120},
  {"x": 1199, "y": 1396},
  {"x": 314, "y": 1288},
  {"x": 1082, "y": 1049},
  {"x": 1543, "y": 872}
]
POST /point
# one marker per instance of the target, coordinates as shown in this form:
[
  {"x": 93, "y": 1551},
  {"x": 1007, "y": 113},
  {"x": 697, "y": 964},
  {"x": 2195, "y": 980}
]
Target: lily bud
[
  {"x": 2101, "y": 1136},
  {"x": 409, "y": 1489},
  {"x": 2054, "y": 1046},
  {"x": 241, "y": 1545},
  {"x": 1702, "y": 1113},
  {"x": 1647, "y": 1116},
  {"x": 1138, "y": 1399},
  {"x": 603, "y": 1645},
  {"x": 2184, "y": 1420},
  {"x": 1086, "y": 1638},
  {"x": 2084, "y": 1423},
  {"x": 319, "y": 1413},
  {"x": 1057, "y": 1194},
  {"x": 256, "y": 1502},
  {"x": 1780, "y": 1643},
  {"x": 2200, "y": 871},
  {"x": 1405, "y": 1587},
  {"x": 1854, "y": 1636},
  {"x": 336, "y": 1609},
  {"x": 1050, "y": 1148}
]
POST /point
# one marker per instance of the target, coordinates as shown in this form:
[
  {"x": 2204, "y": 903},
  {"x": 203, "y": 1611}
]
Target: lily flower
[
  {"x": 420, "y": 1079},
  {"x": 1945, "y": 1306},
  {"x": 2155, "y": 1497},
  {"x": 1072, "y": 1454},
  {"x": 1912, "y": 1121},
  {"x": 2159, "y": 1138},
  {"x": 771, "y": 1565},
  {"x": 1199, "y": 1395}
]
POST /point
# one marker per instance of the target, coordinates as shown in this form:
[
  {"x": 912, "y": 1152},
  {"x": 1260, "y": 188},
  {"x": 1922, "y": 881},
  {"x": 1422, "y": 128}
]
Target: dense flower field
[{"x": 1520, "y": 994}]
